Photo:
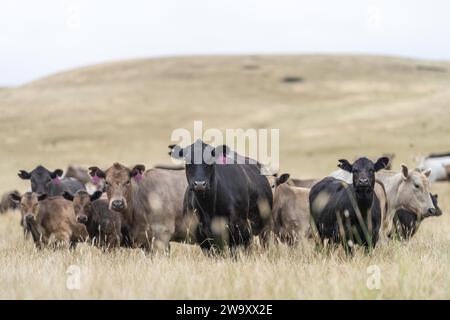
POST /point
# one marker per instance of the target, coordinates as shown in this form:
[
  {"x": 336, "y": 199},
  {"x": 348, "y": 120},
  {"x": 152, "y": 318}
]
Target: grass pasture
[{"x": 327, "y": 107}]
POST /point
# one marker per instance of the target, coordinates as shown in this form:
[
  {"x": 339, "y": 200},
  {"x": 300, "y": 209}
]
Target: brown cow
[
  {"x": 290, "y": 211},
  {"x": 50, "y": 220},
  {"x": 151, "y": 204},
  {"x": 103, "y": 225},
  {"x": 6, "y": 202}
]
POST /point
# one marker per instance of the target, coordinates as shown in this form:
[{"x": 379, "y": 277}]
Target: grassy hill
[{"x": 341, "y": 106}]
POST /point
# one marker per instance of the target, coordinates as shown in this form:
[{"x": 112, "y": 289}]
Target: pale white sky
[{"x": 38, "y": 38}]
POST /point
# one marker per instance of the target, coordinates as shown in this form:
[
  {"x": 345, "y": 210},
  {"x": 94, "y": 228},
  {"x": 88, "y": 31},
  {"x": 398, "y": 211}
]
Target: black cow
[
  {"x": 232, "y": 199},
  {"x": 348, "y": 214},
  {"x": 407, "y": 222},
  {"x": 47, "y": 182}
]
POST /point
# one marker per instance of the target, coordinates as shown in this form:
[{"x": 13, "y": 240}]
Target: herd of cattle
[{"x": 223, "y": 200}]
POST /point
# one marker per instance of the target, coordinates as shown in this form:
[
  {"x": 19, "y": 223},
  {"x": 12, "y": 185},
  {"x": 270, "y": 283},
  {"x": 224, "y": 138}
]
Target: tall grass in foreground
[{"x": 418, "y": 269}]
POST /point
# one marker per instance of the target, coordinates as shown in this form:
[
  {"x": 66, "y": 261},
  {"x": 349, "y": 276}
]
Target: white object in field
[{"x": 437, "y": 166}]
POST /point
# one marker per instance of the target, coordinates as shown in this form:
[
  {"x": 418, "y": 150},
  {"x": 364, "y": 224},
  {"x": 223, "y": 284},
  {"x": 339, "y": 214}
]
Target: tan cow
[
  {"x": 50, "y": 220},
  {"x": 151, "y": 204},
  {"x": 290, "y": 212}
]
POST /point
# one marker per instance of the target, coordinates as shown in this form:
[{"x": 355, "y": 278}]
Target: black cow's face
[
  {"x": 200, "y": 177},
  {"x": 200, "y": 161},
  {"x": 41, "y": 179},
  {"x": 363, "y": 171}
]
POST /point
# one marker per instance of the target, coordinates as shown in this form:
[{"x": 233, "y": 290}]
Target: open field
[{"x": 342, "y": 106}]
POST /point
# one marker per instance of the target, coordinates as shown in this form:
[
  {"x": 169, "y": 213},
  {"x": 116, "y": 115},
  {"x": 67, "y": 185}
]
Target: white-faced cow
[
  {"x": 227, "y": 191},
  {"x": 407, "y": 223},
  {"x": 48, "y": 182},
  {"x": 348, "y": 213}
]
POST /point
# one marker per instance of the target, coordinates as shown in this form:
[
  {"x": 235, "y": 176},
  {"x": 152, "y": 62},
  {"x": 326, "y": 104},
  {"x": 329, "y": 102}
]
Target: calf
[
  {"x": 231, "y": 198},
  {"x": 50, "y": 220},
  {"x": 103, "y": 225},
  {"x": 48, "y": 182},
  {"x": 349, "y": 213},
  {"x": 150, "y": 203},
  {"x": 407, "y": 223},
  {"x": 290, "y": 213}
]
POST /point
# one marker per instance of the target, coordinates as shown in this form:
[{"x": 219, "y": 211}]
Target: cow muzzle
[
  {"x": 430, "y": 212},
  {"x": 82, "y": 219},
  {"x": 29, "y": 217},
  {"x": 199, "y": 186},
  {"x": 117, "y": 205}
]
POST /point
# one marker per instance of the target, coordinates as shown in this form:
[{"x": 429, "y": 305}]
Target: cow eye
[
  {"x": 108, "y": 184},
  {"x": 416, "y": 186},
  {"x": 128, "y": 182},
  {"x": 355, "y": 171}
]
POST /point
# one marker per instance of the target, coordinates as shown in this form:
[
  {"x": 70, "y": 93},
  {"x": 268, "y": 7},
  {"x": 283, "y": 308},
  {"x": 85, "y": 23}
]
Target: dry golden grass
[{"x": 345, "y": 106}]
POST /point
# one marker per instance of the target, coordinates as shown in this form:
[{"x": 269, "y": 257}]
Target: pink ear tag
[
  {"x": 56, "y": 180},
  {"x": 95, "y": 180},
  {"x": 222, "y": 159},
  {"x": 138, "y": 177}
]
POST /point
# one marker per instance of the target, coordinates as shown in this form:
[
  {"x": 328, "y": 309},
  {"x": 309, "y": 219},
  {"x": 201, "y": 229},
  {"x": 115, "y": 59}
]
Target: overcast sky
[{"x": 38, "y": 38}]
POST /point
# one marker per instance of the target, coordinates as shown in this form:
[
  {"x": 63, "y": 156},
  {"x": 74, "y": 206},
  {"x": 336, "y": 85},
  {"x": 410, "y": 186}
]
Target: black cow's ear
[
  {"x": 345, "y": 165},
  {"x": 176, "y": 152},
  {"x": 96, "y": 171},
  {"x": 56, "y": 173},
  {"x": 219, "y": 151},
  {"x": 283, "y": 178},
  {"x": 96, "y": 195},
  {"x": 138, "y": 169},
  {"x": 68, "y": 196},
  {"x": 14, "y": 197},
  {"x": 381, "y": 163},
  {"x": 24, "y": 175},
  {"x": 42, "y": 197}
]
